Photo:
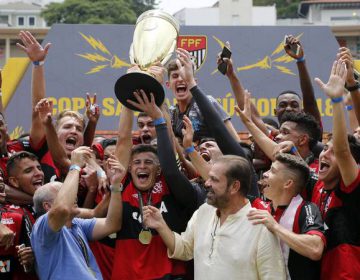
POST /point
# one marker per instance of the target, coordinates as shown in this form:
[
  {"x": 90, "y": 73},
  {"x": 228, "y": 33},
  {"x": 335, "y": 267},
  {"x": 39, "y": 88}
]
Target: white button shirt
[{"x": 235, "y": 250}]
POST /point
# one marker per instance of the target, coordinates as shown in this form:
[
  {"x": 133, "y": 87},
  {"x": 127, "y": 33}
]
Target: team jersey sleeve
[{"x": 310, "y": 221}]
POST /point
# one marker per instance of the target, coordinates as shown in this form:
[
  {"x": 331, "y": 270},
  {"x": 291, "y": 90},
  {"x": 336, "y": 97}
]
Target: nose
[
  {"x": 278, "y": 138},
  {"x": 145, "y": 128},
  {"x": 39, "y": 172}
]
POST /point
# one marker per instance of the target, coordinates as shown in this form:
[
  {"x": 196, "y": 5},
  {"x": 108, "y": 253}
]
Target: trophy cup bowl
[{"x": 154, "y": 41}]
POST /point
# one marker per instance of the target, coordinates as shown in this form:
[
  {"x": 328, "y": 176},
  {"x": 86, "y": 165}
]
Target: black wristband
[{"x": 353, "y": 88}]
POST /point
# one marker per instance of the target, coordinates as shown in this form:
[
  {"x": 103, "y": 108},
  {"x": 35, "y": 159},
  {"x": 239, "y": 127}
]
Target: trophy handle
[
  {"x": 166, "y": 59},
  {"x": 131, "y": 54}
]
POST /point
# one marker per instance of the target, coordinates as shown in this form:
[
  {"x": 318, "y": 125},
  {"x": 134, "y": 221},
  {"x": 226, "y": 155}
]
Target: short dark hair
[
  {"x": 237, "y": 168},
  {"x": 270, "y": 121},
  {"x": 143, "y": 148},
  {"x": 142, "y": 114},
  {"x": 16, "y": 158},
  {"x": 172, "y": 66},
  {"x": 206, "y": 139},
  {"x": 287, "y": 92},
  {"x": 297, "y": 166},
  {"x": 306, "y": 123},
  {"x": 354, "y": 145},
  {"x": 108, "y": 142}
]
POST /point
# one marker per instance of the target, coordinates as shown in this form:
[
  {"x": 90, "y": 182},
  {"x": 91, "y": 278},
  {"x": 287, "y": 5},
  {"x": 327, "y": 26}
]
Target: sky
[{"x": 172, "y": 6}]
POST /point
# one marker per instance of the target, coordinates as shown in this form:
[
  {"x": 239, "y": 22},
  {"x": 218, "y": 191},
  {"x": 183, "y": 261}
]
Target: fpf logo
[{"x": 196, "y": 45}]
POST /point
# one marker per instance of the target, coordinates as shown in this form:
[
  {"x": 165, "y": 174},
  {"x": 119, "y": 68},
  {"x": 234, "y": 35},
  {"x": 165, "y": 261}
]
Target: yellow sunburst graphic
[
  {"x": 19, "y": 130},
  {"x": 274, "y": 61},
  {"x": 103, "y": 59}
]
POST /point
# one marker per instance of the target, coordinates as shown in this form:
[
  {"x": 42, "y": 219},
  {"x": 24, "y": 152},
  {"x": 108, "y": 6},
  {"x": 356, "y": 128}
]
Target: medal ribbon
[{"x": 141, "y": 205}]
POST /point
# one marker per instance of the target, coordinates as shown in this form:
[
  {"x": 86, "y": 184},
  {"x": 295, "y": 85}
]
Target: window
[
  {"x": 31, "y": 21},
  {"x": 21, "y": 21}
]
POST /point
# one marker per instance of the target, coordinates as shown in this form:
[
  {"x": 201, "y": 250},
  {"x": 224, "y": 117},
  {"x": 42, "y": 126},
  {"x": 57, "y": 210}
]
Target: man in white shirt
[{"x": 223, "y": 243}]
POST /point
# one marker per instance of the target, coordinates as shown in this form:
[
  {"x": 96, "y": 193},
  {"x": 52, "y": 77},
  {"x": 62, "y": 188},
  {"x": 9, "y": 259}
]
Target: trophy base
[{"x": 129, "y": 83}]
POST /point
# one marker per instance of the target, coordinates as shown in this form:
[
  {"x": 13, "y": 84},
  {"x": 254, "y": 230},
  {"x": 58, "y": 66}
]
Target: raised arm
[
  {"x": 37, "y": 55},
  {"x": 112, "y": 223},
  {"x": 334, "y": 89},
  {"x": 199, "y": 163},
  {"x": 93, "y": 115},
  {"x": 179, "y": 185},
  {"x": 308, "y": 94},
  {"x": 63, "y": 207},
  {"x": 351, "y": 84},
  {"x": 44, "y": 110},
  {"x": 239, "y": 93}
]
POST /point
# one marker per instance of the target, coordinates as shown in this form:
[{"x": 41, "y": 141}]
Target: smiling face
[
  {"x": 287, "y": 102},
  {"x": 144, "y": 169},
  {"x": 218, "y": 191},
  {"x": 147, "y": 129},
  {"x": 329, "y": 171},
  {"x": 27, "y": 175},
  {"x": 178, "y": 86},
  {"x": 274, "y": 180},
  {"x": 70, "y": 133}
]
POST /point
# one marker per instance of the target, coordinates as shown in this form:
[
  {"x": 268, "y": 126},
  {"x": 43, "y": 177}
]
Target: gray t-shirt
[{"x": 197, "y": 119}]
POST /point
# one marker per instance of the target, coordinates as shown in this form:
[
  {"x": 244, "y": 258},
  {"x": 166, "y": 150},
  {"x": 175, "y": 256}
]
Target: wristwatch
[
  {"x": 354, "y": 87},
  {"x": 115, "y": 189}
]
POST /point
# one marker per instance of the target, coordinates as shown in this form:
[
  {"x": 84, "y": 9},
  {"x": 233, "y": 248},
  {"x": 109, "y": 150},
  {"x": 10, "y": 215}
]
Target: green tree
[
  {"x": 284, "y": 8},
  {"x": 96, "y": 11}
]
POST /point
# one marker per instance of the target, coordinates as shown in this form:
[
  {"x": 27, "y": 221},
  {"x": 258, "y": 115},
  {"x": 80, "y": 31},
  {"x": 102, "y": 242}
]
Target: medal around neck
[{"x": 145, "y": 237}]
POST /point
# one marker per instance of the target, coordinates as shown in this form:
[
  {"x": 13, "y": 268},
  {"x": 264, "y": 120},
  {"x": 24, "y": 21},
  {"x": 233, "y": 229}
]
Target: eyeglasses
[{"x": 213, "y": 235}]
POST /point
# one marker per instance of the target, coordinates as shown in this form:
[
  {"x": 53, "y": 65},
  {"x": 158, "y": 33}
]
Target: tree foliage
[
  {"x": 96, "y": 11},
  {"x": 284, "y": 8}
]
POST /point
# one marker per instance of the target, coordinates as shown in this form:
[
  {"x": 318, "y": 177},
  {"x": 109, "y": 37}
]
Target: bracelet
[
  {"x": 337, "y": 99},
  {"x": 159, "y": 121},
  {"x": 38, "y": 63},
  {"x": 100, "y": 173},
  {"x": 75, "y": 167},
  {"x": 293, "y": 150},
  {"x": 349, "y": 107},
  {"x": 301, "y": 59},
  {"x": 354, "y": 87},
  {"x": 189, "y": 150},
  {"x": 115, "y": 189}
]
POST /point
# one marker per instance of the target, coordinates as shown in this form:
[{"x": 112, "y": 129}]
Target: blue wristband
[
  {"x": 293, "y": 150},
  {"x": 75, "y": 167},
  {"x": 189, "y": 150},
  {"x": 38, "y": 63},
  {"x": 337, "y": 99},
  {"x": 301, "y": 59},
  {"x": 349, "y": 107},
  {"x": 159, "y": 121}
]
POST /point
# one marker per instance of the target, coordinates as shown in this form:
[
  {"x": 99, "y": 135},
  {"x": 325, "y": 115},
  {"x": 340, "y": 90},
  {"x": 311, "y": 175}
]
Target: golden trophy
[{"x": 154, "y": 41}]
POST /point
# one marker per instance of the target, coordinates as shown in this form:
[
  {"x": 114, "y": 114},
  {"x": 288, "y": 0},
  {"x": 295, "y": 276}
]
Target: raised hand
[
  {"x": 335, "y": 86},
  {"x": 158, "y": 71},
  {"x": 45, "y": 109},
  {"x": 188, "y": 132},
  {"x": 80, "y": 156},
  {"x": 92, "y": 108},
  {"x": 32, "y": 47},
  {"x": 345, "y": 55},
  {"x": 89, "y": 175},
  {"x": 185, "y": 67},
  {"x": 230, "y": 67},
  {"x": 245, "y": 114},
  {"x": 115, "y": 170},
  {"x": 293, "y": 41},
  {"x": 146, "y": 105}
]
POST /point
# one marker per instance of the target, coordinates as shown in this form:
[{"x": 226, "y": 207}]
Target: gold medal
[{"x": 145, "y": 237}]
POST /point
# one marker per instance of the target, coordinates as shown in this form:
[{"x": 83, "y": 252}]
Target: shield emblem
[{"x": 196, "y": 45}]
